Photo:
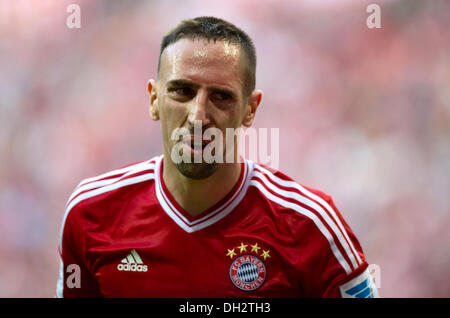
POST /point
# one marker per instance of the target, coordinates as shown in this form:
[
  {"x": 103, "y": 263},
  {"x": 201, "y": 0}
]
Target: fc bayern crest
[{"x": 247, "y": 272}]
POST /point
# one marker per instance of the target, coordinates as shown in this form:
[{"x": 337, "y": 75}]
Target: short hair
[{"x": 211, "y": 28}]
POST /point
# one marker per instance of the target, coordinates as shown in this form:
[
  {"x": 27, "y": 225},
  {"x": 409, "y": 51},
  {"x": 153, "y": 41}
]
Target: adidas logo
[{"x": 132, "y": 263}]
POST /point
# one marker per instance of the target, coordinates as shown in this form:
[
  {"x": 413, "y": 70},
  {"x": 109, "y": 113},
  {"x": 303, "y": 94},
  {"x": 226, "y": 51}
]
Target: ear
[
  {"x": 252, "y": 105},
  {"x": 152, "y": 90}
]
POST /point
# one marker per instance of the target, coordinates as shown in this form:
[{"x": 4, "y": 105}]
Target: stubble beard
[{"x": 197, "y": 171}]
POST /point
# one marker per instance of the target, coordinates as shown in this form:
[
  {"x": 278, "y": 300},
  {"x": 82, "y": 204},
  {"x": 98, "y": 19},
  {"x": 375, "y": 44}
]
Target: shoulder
[
  {"x": 299, "y": 205},
  {"x": 310, "y": 214},
  {"x": 115, "y": 179},
  {"x": 289, "y": 193},
  {"x": 105, "y": 186}
]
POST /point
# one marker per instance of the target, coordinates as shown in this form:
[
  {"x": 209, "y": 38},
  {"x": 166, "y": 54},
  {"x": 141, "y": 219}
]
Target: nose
[{"x": 199, "y": 109}]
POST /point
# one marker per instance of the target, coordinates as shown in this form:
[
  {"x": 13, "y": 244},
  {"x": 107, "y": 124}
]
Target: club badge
[{"x": 248, "y": 271}]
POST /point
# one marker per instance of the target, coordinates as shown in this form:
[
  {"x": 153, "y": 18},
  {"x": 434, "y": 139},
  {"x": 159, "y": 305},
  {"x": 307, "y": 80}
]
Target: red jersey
[{"x": 124, "y": 235}]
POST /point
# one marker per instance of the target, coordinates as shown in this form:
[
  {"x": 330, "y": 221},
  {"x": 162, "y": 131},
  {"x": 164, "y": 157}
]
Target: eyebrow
[
  {"x": 181, "y": 82},
  {"x": 184, "y": 82}
]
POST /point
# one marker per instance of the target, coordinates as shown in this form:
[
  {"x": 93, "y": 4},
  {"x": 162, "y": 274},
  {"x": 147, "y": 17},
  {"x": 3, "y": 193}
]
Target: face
[{"x": 200, "y": 82}]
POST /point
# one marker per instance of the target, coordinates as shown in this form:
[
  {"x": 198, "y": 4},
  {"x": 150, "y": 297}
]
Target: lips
[{"x": 196, "y": 143}]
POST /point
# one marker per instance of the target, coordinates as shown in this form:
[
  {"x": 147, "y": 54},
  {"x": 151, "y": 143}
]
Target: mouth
[{"x": 197, "y": 144}]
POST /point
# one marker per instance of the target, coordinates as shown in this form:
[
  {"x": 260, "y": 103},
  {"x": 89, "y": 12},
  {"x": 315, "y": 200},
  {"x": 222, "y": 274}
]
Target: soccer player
[{"x": 171, "y": 228}]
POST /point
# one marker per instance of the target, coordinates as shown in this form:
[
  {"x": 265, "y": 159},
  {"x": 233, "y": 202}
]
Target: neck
[{"x": 196, "y": 196}]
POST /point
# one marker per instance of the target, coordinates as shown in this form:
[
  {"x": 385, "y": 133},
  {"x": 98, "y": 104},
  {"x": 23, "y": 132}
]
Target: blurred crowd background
[{"x": 364, "y": 115}]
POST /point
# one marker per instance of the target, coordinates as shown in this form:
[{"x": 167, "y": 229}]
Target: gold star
[
  {"x": 243, "y": 247},
  {"x": 265, "y": 254},
  {"x": 255, "y": 248},
  {"x": 231, "y": 253}
]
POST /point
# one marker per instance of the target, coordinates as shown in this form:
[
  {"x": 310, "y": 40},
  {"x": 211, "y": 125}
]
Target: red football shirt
[{"x": 124, "y": 235}]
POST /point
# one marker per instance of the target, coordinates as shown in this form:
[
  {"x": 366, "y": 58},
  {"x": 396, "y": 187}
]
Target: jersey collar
[{"x": 210, "y": 216}]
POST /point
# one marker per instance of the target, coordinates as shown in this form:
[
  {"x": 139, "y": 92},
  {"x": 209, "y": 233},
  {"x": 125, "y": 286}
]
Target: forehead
[{"x": 204, "y": 62}]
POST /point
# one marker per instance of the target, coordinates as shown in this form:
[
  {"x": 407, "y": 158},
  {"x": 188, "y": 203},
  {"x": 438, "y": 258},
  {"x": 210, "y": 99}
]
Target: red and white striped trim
[
  {"x": 213, "y": 216},
  {"x": 264, "y": 180},
  {"x": 110, "y": 181},
  {"x": 110, "y": 177},
  {"x": 116, "y": 172}
]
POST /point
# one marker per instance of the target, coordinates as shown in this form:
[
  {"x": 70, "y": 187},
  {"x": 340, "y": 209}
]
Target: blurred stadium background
[{"x": 364, "y": 115}]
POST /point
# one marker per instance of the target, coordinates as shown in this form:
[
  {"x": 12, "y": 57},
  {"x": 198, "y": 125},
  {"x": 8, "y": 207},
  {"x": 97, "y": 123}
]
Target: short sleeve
[
  {"x": 334, "y": 260},
  {"x": 75, "y": 279}
]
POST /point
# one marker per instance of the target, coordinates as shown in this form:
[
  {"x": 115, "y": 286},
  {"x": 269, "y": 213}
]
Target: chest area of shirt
[{"x": 177, "y": 265}]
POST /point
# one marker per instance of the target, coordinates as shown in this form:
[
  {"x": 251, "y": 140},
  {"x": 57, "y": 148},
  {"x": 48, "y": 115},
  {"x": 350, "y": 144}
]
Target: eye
[
  {"x": 221, "y": 96},
  {"x": 183, "y": 93}
]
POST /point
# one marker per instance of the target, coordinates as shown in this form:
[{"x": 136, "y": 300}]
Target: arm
[
  {"x": 75, "y": 279},
  {"x": 335, "y": 265}
]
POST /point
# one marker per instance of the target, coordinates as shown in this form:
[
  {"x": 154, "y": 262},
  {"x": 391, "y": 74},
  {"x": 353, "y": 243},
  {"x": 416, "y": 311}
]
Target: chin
[{"x": 197, "y": 171}]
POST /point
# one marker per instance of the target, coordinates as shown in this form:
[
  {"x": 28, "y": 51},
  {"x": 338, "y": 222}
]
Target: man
[{"x": 184, "y": 228}]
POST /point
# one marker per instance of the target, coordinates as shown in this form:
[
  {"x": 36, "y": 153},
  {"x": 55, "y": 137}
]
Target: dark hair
[{"x": 211, "y": 28}]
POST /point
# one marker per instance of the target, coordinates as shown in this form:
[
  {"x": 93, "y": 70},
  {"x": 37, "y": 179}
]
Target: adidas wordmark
[{"x": 132, "y": 263}]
